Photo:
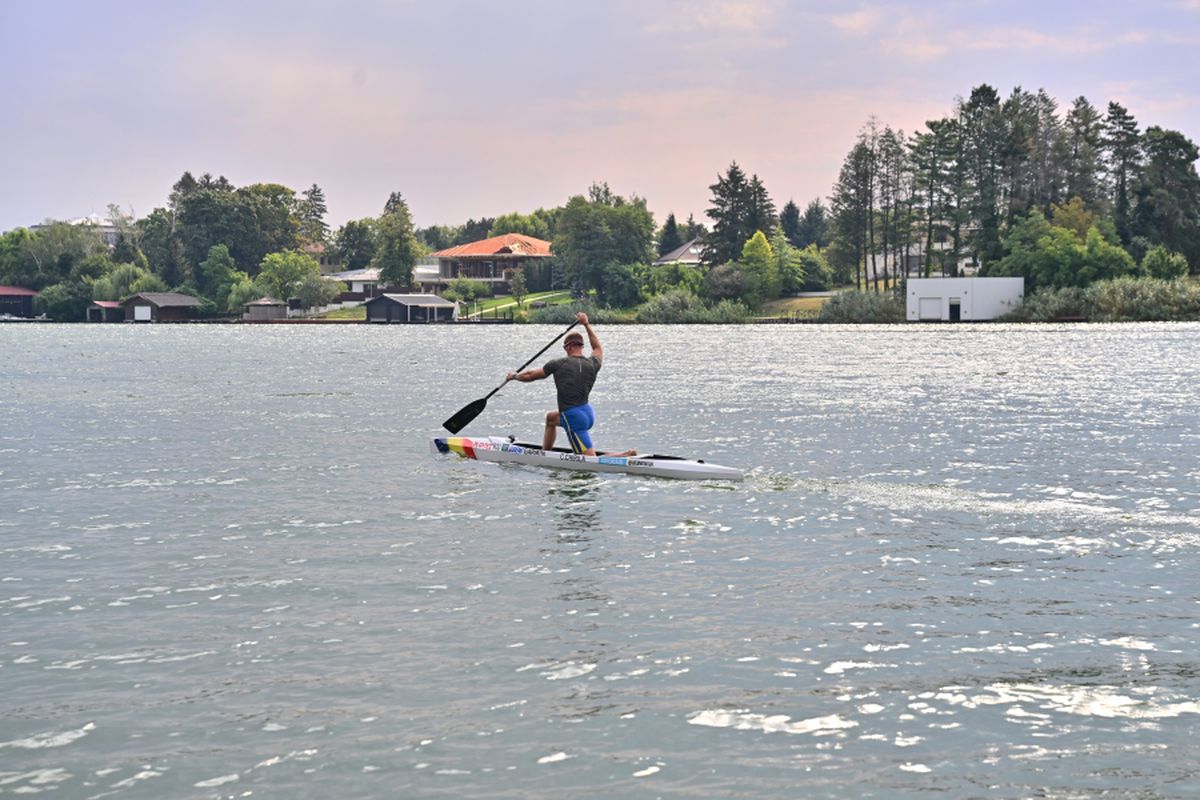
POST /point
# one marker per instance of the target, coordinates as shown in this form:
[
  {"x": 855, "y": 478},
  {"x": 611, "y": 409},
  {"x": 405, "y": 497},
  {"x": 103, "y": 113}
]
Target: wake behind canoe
[{"x": 504, "y": 450}]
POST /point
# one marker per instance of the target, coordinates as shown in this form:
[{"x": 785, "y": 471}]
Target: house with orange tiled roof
[{"x": 493, "y": 261}]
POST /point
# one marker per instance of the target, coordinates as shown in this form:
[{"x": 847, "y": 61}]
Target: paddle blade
[{"x": 464, "y": 416}]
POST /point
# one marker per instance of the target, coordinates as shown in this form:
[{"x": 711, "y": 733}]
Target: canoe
[{"x": 505, "y": 450}]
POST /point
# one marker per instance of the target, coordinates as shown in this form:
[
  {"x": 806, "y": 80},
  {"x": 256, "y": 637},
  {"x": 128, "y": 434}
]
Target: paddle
[{"x": 472, "y": 410}]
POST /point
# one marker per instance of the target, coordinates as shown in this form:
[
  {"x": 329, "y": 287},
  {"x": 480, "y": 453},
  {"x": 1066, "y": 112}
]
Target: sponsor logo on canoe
[
  {"x": 620, "y": 462},
  {"x": 637, "y": 462},
  {"x": 515, "y": 449},
  {"x": 571, "y": 457},
  {"x": 482, "y": 445}
]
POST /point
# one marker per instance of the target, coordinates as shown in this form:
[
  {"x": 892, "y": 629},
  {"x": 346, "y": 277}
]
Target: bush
[
  {"x": 862, "y": 307},
  {"x": 1161, "y": 263},
  {"x": 1047, "y": 305},
  {"x": 1142, "y": 300},
  {"x": 684, "y": 307},
  {"x": 565, "y": 314},
  {"x": 1124, "y": 299}
]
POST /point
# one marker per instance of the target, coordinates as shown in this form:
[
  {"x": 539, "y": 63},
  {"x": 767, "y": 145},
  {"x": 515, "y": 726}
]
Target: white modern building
[{"x": 963, "y": 299}]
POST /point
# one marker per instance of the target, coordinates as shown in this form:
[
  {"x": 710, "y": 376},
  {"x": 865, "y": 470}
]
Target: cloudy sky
[{"x": 476, "y": 108}]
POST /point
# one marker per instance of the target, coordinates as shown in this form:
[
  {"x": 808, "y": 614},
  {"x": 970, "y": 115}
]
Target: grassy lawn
[
  {"x": 358, "y": 312},
  {"x": 788, "y": 306},
  {"x": 505, "y": 301}
]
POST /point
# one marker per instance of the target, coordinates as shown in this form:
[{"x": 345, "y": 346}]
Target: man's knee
[{"x": 551, "y": 419}]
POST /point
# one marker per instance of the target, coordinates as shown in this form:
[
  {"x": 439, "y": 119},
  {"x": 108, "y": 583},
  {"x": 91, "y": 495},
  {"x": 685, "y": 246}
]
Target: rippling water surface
[{"x": 964, "y": 564}]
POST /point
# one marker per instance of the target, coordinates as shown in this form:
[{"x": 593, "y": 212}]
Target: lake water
[{"x": 963, "y": 564}]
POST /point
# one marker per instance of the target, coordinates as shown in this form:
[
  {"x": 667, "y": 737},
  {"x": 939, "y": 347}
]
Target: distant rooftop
[{"x": 508, "y": 244}]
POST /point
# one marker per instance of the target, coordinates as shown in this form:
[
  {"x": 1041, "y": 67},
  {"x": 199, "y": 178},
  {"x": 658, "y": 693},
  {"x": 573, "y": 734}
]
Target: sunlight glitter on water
[{"x": 955, "y": 568}]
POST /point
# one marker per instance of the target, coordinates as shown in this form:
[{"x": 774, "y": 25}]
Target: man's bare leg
[{"x": 551, "y": 432}]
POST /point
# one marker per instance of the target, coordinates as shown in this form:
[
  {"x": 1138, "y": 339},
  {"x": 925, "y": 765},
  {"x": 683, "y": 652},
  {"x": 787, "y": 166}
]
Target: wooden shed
[
  {"x": 160, "y": 307},
  {"x": 105, "y": 311},
  {"x": 410, "y": 308},
  {"x": 266, "y": 309},
  {"x": 16, "y": 301}
]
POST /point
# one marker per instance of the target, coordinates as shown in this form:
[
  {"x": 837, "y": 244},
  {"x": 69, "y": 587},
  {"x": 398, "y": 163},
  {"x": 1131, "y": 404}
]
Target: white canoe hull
[{"x": 502, "y": 450}]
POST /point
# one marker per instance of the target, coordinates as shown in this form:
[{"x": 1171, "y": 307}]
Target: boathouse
[
  {"x": 160, "y": 307},
  {"x": 16, "y": 301},
  {"x": 962, "y": 299},
  {"x": 105, "y": 311},
  {"x": 407, "y": 308},
  {"x": 265, "y": 309}
]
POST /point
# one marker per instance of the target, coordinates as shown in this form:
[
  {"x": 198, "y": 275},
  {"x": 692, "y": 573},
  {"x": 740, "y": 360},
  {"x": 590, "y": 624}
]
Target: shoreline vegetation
[{"x": 1098, "y": 216}]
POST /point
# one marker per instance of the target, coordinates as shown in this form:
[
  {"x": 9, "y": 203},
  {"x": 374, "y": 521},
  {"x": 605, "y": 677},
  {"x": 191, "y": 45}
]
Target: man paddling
[{"x": 574, "y": 376}]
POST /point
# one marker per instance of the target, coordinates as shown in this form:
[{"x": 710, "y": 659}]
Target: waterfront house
[
  {"x": 689, "y": 254},
  {"x": 962, "y": 299},
  {"x": 406, "y": 308},
  {"x": 493, "y": 261},
  {"x": 361, "y": 284},
  {"x": 326, "y": 259},
  {"x": 160, "y": 307},
  {"x": 105, "y": 311},
  {"x": 103, "y": 227},
  {"x": 16, "y": 301},
  {"x": 265, "y": 309}
]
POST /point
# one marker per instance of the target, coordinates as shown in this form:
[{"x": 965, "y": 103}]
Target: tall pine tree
[
  {"x": 1123, "y": 157},
  {"x": 730, "y": 211},
  {"x": 669, "y": 238},
  {"x": 311, "y": 211}
]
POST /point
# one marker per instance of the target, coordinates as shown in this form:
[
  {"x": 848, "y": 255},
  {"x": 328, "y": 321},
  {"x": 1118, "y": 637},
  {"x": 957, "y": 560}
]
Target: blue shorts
[{"x": 577, "y": 421}]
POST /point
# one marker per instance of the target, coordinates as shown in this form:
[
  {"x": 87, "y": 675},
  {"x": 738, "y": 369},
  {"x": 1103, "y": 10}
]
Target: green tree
[
  {"x": 243, "y": 291},
  {"x": 1074, "y": 216},
  {"x": 758, "y": 262},
  {"x": 1049, "y": 256},
  {"x": 64, "y": 302},
  {"x": 17, "y": 266},
  {"x": 1123, "y": 153},
  {"x": 396, "y": 244},
  {"x": 118, "y": 283},
  {"x": 984, "y": 140},
  {"x": 281, "y": 274},
  {"x": 54, "y": 250},
  {"x": 1164, "y": 265},
  {"x": 1084, "y": 137},
  {"x": 311, "y": 212},
  {"x": 619, "y": 285},
  {"x": 814, "y": 226},
  {"x": 517, "y": 287},
  {"x": 789, "y": 222},
  {"x": 730, "y": 212},
  {"x": 161, "y": 246},
  {"x": 315, "y": 291},
  {"x": 218, "y": 273},
  {"x": 818, "y": 274},
  {"x": 354, "y": 243},
  {"x": 536, "y": 225},
  {"x": 851, "y": 207},
  {"x": 669, "y": 238},
  {"x": 1167, "y": 211},
  {"x": 601, "y": 229},
  {"x": 788, "y": 267},
  {"x": 762, "y": 215}
]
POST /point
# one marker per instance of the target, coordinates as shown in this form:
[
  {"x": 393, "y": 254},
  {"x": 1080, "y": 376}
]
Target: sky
[{"x": 475, "y": 108}]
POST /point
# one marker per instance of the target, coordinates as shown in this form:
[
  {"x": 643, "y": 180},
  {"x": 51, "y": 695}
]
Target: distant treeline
[{"x": 1012, "y": 186}]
